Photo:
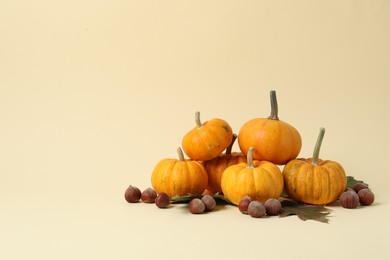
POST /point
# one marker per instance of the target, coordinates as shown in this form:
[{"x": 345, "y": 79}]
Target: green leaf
[
  {"x": 304, "y": 211},
  {"x": 184, "y": 198},
  {"x": 189, "y": 197},
  {"x": 351, "y": 181}
]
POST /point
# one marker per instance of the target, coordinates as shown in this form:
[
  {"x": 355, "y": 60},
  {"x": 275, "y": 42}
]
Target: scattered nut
[
  {"x": 358, "y": 186},
  {"x": 244, "y": 203},
  {"x": 209, "y": 202},
  {"x": 349, "y": 199},
  {"x": 366, "y": 197},
  {"x": 256, "y": 209},
  {"x": 132, "y": 194},
  {"x": 149, "y": 195},
  {"x": 196, "y": 206},
  {"x": 163, "y": 200},
  {"x": 273, "y": 207}
]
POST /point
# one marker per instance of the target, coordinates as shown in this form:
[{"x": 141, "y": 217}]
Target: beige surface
[{"x": 94, "y": 93}]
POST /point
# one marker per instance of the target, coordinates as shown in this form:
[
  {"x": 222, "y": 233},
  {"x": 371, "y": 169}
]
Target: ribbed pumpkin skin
[
  {"x": 274, "y": 140},
  {"x": 262, "y": 182},
  {"x": 207, "y": 142},
  {"x": 216, "y": 167},
  {"x": 176, "y": 177},
  {"x": 314, "y": 184}
]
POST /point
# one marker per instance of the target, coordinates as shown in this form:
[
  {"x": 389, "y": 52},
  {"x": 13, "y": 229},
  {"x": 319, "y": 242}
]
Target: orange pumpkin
[
  {"x": 216, "y": 166},
  {"x": 312, "y": 180},
  {"x": 179, "y": 176},
  {"x": 261, "y": 180},
  {"x": 274, "y": 140},
  {"x": 208, "y": 140}
]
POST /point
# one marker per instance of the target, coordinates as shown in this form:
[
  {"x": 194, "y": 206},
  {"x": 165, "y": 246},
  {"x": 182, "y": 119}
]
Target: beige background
[{"x": 94, "y": 93}]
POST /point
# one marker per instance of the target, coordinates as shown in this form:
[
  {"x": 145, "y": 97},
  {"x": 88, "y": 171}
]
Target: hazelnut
[
  {"x": 358, "y": 186},
  {"x": 349, "y": 199},
  {"x": 244, "y": 203},
  {"x": 196, "y": 206},
  {"x": 132, "y": 194},
  {"x": 149, "y": 195},
  {"x": 209, "y": 202},
  {"x": 256, "y": 209},
  {"x": 163, "y": 200},
  {"x": 366, "y": 197},
  {"x": 273, "y": 207}
]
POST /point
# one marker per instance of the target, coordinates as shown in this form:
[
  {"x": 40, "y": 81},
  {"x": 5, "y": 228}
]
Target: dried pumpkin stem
[
  {"x": 180, "y": 154},
  {"x": 197, "y": 119},
  {"x": 274, "y": 106},
  {"x": 249, "y": 158},
  {"x": 229, "y": 148},
  {"x": 316, "y": 152}
]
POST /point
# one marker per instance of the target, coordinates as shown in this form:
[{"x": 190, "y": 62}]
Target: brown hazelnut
[
  {"x": 256, "y": 209},
  {"x": 244, "y": 203},
  {"x": 349, "y": 199},
  {"x": 209, "y": 202},
  {"x": 162, "y": 200},
  {"x": 273, "y": 207},
  {"x": 366, "y": 197},
  {"x": 196, "y": 206},
  {"x": 358, "y": 186},
  {"x": 132, "y": 194},
  {"x": 149, "y": 195}
]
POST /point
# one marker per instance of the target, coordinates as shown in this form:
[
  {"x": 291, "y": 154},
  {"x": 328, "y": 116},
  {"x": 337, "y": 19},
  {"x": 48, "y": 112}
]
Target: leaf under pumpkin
[
  {"x": 189, "y": 197},
  {"x": 305, "y": 211},
  {"x": 351, "y": 181}
]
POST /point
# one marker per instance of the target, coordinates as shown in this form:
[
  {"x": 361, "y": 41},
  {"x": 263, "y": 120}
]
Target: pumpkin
[
  {"x": 312, "y": 180},
  {"x": 260, "y": 180},
  {"x": 208, "y": 140},
  {"x": 179, "y": 176},
  {"x": 274, "y": 140},
  {"x": 216, "y": 166}
]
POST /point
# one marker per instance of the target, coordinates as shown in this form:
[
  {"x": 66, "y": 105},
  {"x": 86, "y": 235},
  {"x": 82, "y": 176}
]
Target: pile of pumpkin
[{"x": 265, "y": 144}]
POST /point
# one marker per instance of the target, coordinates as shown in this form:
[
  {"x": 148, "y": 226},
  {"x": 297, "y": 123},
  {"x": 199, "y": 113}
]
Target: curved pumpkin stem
[
  {"x": 197, "y": 119},
  {"x": 316, "y": 152},
  {"x": 249, "y": 158},
  {"x": 274, "y": 106},
  {"x": 180, "y": 154},
  {"x": 229, "y": 148}
]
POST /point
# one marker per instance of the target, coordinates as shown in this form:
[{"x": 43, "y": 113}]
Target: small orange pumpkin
[
  {"x": 261, "y": 180},
  {"x": 208, "y": 140},
  {"x": 179, "y": 176},
  {"x": 216, "y": 166},
  {"x": 314, "y": 181},
  {"x": 274, "y": 140}
]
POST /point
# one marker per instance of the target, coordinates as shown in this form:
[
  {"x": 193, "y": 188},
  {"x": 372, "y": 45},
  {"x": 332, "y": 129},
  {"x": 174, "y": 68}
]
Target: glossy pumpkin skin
[
  {"x": 260, "y": 180},
  {"x": 274, "y": 140},
  {"x": 207, "y": 140},
  {"x": 314, "y": 184},
  {"x": 314, "y": 181},
  {"x": 179, "y": 176},
  {"x": 216, "y": 167}
]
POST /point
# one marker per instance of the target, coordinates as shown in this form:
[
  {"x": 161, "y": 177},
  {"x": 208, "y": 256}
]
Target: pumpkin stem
[
  {"x": 229, "y": 148},
  {"x": 197, "y": 119},
  {"x": 274, "y": 106},
  {"x": 180, "y": 154},
  {"x": 316, "y": 152},
  {"x": 249, "y": 158}
]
